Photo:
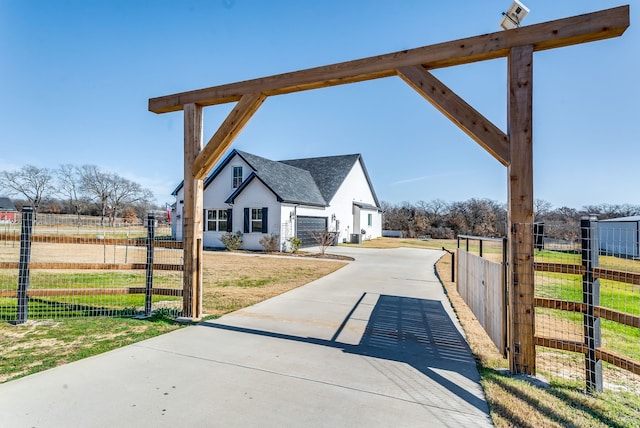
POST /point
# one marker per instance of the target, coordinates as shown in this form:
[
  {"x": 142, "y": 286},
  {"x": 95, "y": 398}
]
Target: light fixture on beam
[{"x": 513, "y": 17}]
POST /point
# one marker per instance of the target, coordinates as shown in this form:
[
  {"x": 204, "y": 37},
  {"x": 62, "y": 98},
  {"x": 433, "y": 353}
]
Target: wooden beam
[
  {"x": 619, "y": 360},
  {"x": 610, "y": 357},
  {"x": 561, "y": 305},
  {"x": 559, "y": 268},
  {"x": 228, "y": 131},
  {"x": 548, "y": 35},
  {"x": 616, "y": 275},
  {"x": 474, "y": 124},
  {"x": 564, "y": 345},
  {"x": 192, "y": 216},
  {"x": 616, "y": 316},
  {"x": 522, "y": 357}
]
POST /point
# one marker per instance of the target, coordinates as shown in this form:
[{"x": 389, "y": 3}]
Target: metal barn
[{"x": 620, "y": 237}]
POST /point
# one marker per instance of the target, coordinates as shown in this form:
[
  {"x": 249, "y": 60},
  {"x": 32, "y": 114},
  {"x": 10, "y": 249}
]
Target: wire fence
[
  {"x": 587, "y": 319},
  {"x": 60, "y": 266}
]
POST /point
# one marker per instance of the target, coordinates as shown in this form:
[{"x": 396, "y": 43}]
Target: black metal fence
[
  {"x": 54, "y": 266},
  {"x": 588, "y": 311}
]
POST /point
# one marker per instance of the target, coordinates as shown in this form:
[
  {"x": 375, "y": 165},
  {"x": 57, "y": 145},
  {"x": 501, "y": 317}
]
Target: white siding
[
  {"x": 176, "y": 221},
  {"x": 256, "y": 195},
  {"x": 341, "y": 214},
  {"x": 355, "y": 188},
  {"x": 217, "y": 192},
  {"x": 221, "y": 188}
]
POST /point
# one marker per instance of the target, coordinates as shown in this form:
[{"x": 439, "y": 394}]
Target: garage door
[{"x": 306, "y": 225}]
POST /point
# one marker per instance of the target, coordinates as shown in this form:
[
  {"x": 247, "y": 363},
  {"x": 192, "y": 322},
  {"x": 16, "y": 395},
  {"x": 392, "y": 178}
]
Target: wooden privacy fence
[
  {"x": 23, "y": 293},
  {"x": 481, "y": 283},
  {"x": 484, "y": 286}
]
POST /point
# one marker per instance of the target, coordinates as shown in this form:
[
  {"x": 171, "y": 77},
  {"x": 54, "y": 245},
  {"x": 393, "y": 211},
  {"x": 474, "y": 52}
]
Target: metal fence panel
[{"x": 82, "y": 266}]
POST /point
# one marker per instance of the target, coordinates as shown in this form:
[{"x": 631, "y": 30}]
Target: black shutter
[
  {"x": 204, "y": 220},
  {"x": 229, "y": 220},
  {"x": 247, "y": 220},
  {"x": 265, "y": 220}
]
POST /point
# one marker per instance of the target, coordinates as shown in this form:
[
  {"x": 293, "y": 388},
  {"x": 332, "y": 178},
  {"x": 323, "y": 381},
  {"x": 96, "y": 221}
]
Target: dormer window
[{"x": 237, "y": 176}]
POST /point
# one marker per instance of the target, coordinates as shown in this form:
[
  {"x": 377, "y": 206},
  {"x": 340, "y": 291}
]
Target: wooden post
[
  {"x": 522, "y": 357},
  {"x": 192, "y": 216}
]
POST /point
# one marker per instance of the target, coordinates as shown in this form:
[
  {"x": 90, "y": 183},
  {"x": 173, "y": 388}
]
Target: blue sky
[{"x": 76, "y": 76}]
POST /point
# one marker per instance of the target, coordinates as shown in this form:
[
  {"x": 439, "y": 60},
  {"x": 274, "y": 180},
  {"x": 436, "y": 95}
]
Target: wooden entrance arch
[{"x": 513, "y": 149}]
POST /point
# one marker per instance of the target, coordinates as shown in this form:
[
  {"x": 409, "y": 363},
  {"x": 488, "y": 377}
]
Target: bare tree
[
  {"x": 541, "y": 208},
  {"x": 98, "y": 186},
  {"x": 435, "y": 210},
  {"x": 123, "y": 192},
  {"x": 29, "y": 181},
  {"x": 144, "y": 203},
  {"x": 69, "y": 186},
  {"x": 606, "y": 211}
]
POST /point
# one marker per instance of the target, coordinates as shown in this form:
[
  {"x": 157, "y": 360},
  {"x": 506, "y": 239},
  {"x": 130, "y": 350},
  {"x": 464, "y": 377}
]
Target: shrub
[
  {"x": 269, "y": 243},
  {"x": 232, "y": 241},
  {"x": 296, "y": 243},
  {"x": 324, "y": 239}
]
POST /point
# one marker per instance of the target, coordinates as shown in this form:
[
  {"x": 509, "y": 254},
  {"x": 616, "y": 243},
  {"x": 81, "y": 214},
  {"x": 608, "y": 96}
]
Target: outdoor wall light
[{"x": 514, "y": 16}]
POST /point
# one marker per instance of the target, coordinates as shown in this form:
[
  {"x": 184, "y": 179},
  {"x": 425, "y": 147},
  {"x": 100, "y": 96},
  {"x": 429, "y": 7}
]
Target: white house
[
  {"x": 620, "y": 236},
  {"x": 291, "y": 198}
]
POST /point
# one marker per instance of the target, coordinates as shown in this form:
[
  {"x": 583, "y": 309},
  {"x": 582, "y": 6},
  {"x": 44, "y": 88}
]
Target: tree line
[
  {"x": 79, "y": 190},
  {"x": 484, "y": 217}
]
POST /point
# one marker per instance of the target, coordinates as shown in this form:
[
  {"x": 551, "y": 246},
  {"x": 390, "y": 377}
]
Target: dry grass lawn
[{"x": 234, "y": 281}]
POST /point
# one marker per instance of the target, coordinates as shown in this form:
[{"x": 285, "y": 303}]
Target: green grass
[
  {"x": 37, "y": 346},
  {"x": 614, "y": 295},
  {"x": 83, "y": 305},
  {"x": 89, "y": 279},
  {"x": 576, "y": 259},
  {"x": 123, "y": 305}
]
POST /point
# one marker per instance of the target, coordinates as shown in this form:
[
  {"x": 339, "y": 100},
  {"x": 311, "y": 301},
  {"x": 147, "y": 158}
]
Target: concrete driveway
[{"x": 374, "y": 344}]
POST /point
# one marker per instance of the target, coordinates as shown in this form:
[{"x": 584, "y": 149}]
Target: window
[
  {"x": 217, "y": 220},
  {"x": 369, "y": 219},
  {"x": 255, "y": 220},
  {"x": 237, "y": 176}
]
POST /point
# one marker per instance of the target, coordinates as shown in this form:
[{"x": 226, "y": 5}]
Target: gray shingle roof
[
  {"x": 310, "y": 181},
  {"x": 290, "y": 184},
  {"x": 328, "y": 172}
]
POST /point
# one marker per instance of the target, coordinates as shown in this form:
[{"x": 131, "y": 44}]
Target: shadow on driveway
[{"x": 414, "y": 331}]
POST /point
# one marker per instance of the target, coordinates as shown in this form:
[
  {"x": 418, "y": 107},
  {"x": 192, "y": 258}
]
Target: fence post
[
  {"x": 591, "y": 297},
  {"x": 505, "y": 295},
  {"x": 151, "y": 229},
  {"x": 453, "y": 263},
  {"x": 23, "y": 266}
]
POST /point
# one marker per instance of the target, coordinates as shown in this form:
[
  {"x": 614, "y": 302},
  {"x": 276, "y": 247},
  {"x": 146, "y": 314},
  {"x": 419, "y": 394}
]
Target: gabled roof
[
  {"x": 329, "y": 172},
  {"x": 311, "y": 181},
  {"x": 7, "y": 205},
  {"x": 288, "y": 184}
]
